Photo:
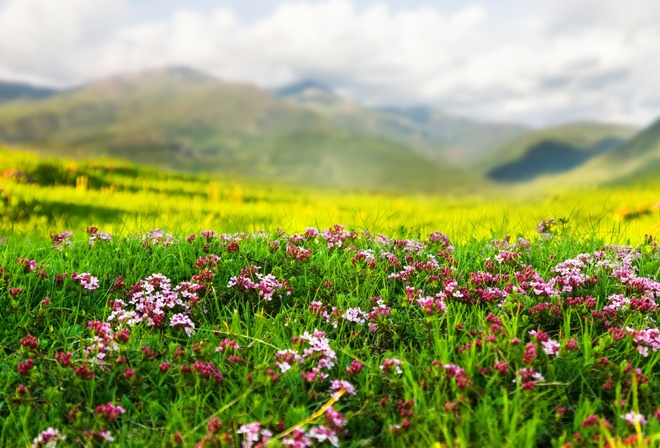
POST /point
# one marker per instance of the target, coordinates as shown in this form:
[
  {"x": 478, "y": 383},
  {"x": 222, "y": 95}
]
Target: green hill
[
  {"x": 638, "y": 158},
  {"x": 351, "y": 162},
  {"x": 180, "y": 119},
  {"x": 554, "y": 151},
  {"x": 430, "y": 132}
]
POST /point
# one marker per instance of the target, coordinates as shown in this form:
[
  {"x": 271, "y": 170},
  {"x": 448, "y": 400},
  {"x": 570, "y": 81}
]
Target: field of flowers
[{"x": 329, "y": 337}]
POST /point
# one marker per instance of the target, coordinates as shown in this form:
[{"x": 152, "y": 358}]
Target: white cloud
[
  {"x": 545, "y": 61},
  {"x": 50, "y": 40}
]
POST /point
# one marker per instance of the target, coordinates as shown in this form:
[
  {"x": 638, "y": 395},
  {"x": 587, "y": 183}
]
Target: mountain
[
  {"x": 180, "y": 119},
  {"x": 432, "y": 133},
  {"x": 459, "y": 140},
  {"x": 554, "y": 150},
  {"x": 11, "y": 91},
  {"x": 637, "y": 159}
]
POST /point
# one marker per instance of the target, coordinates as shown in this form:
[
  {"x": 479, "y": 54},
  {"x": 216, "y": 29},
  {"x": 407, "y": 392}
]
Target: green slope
[
  {"x": 553, "y": 151},
  {"x": 638, "y": 158},
  {"x": 433, "y": 133},
  {"x": 180, "y": 119},
  {"x": 353, "y": 162}
]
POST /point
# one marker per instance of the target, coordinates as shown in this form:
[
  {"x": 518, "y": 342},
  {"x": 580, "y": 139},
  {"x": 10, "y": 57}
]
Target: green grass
[
  {"x": 423, "y": 405},
  {"x": 41, "y": 195},
  {"x": 473, "y": 324}
]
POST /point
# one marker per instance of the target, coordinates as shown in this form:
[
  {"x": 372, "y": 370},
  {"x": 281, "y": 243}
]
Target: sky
[{"x": 538, "y": 62}]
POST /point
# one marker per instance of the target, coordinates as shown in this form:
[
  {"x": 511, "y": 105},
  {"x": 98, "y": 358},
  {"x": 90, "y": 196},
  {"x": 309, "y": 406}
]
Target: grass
[
  {"x": 41, "y": 195},
  {"x": 383, "y": 333},
  {"x": 431, "y": 361}
]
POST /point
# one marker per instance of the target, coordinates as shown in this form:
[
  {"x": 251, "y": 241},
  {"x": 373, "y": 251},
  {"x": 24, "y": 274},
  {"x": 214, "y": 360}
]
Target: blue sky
[{"x": 534, "y": 61}]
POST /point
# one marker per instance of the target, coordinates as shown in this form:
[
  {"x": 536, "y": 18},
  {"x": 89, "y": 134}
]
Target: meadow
[
  {"x": 150, "y": 308},
  {"x": 42, "y": 195}
]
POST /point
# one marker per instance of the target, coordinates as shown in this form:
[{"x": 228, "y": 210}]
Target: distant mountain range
[
  {"x": 11, "y": 91},
  {"x": 181, "y": 119},
  {"x": 554, "y": 150}
]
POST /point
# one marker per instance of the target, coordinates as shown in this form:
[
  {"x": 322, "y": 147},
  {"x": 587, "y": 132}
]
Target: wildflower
[
  {"x": 337, "y": 385},
  {"x": 592, "y": 420},
  {"x": 266, "y": 286},
  {"x": 530, "y": 353},
  {"x": 181, "y": 320},
  {"x": 354, "y": 315},
  {"x": 571, "y": 345},
  {"x": 25, "y": 367},
  {"x": 297, "y": 252},
  {"x": 83, "y": 372},
  {"x": 85, "y": 280},
  {"x": 314, "y": 375},
  {"x": 633, "y": 418},
  {"x": 321, "y": 434},
  {"x": 545, "y": 226},
  {"x": 355, "y": 367},
  {"x": 48, "y": 439},
  {"x": 30, "y": 342},
  {"x": 254, "y": 434},
  {"x": 208, "y": 370},
  {"x": 391, "y": 365},
  {"x": 286, "y": 358},
  {"x": 109, "y": 411},
  {"x": 63, "y": 358},
  {"x": 502, "y": 367},
  {"x": 297, "y": 439},
  {"x": 61, "y": 239},
  {"x": 95, "y": 235},
  {"x": 334, "y": 418},
  {"x": 207, "y": 234},
  {"x": 550, "y": 347},
  {"x": 432, "y": 305},
  {"x": 157, "y": 237},
  {"x": 105, "y": 435}
]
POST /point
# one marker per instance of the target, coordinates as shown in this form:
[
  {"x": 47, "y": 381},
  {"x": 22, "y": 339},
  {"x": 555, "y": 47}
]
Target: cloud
[
  {"x": 50, "y": 40},
  {"x": 542, "y": 62}
]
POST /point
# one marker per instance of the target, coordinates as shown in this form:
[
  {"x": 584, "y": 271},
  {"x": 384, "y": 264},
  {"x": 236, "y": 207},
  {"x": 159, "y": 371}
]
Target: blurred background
[{"x": 498, "y": 98}]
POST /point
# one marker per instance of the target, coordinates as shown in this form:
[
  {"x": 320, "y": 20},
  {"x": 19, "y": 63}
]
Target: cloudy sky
[{"x": 532, "y": 61}]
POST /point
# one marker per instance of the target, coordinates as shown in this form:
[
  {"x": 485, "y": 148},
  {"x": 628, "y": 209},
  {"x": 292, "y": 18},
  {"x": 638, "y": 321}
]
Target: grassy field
[
  {"x": 426, "y": 321},
  {"x": 41, "y": 195}
]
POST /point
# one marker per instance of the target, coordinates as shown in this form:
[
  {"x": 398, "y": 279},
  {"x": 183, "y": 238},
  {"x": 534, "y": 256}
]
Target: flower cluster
[
  {"x": 85, "y": 280},
  {"x": 250, "y": 279},
  {"x": 154, "y": 300}
]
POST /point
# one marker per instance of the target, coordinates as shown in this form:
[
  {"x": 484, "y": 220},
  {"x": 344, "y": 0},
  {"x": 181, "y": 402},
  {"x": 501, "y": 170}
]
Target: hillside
[
  {"x": 639, "y": 158},
  {"x": 180, "y": 119},
  {"x": 554, "y": 151},
  {"x": 433, "y": 133}
]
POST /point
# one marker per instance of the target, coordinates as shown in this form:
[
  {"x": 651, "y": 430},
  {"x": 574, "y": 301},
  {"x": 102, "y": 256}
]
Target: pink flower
[
  {"x": 321, "y": 434},
  {"x": 634, "y": 418},
  {"x": 391, "y": 365},
  {"x": 252, "y": 432},
  {"x": 85, "y": 280},
  {"x": 297, "y": 439},
  {"x": 48, "y": 439},
  {"x": 550, "y": 347},
  {"x": 109, "y": 411},
  {"x": 337, "y": 385}
]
